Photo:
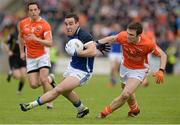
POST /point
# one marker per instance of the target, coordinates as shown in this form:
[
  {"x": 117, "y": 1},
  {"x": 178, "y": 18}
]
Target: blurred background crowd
[{"x": 160, "y": 18}]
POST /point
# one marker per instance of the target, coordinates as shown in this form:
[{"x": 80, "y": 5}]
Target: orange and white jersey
[
  {"x": 135, "y": 55},
  {"x": 41, "y": 29}
]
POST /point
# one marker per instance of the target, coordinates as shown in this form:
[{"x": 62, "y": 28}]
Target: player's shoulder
[
  {"x": 122, "y": 36},
  {"x": 24, "y": 20},
  {"x": 146, "y": 40},
  {"x": 84, "y": 35},
  {"x": 124, "y": 33},
  {"x": 44, "y": 21},
  {"x": 84, "y": 32}
]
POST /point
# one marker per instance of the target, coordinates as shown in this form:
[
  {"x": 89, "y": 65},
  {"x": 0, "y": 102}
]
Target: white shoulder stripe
[{"x": 45, "y": 33}]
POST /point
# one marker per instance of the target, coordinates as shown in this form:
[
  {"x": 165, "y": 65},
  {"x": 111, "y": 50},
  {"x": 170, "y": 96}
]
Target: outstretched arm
[
  {"x": 159, "y": 75},
  {"x": 163, "y": 58},
  {"x": 103, "y": 45},
  {"x": 109, "y": 39},
  {"x": 89, "y": 51}
]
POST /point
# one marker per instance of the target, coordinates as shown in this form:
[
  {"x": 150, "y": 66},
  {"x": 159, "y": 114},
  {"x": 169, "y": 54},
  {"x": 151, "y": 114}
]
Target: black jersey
[
  {"x": 82, "y": 63},
  {"x": 13, "y": 43}
]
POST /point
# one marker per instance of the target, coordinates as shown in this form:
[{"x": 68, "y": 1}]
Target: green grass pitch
[{"x": 159, "y": 104}]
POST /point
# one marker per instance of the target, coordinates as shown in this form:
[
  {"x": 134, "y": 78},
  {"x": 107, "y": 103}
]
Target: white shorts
[
  {"x": 115, "y": 56},
  {"x": 79, "y": 74},
  {"x": 126, "y": 73},
  {"x": 37, "y": 63}
]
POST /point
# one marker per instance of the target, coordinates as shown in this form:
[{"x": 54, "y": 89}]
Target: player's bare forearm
[
  {"x": 109, "y": 39},
  {"x": 90, "y": 50},
  {"x": 45, "y": 42},
  {"x": 163, "y": 58}
]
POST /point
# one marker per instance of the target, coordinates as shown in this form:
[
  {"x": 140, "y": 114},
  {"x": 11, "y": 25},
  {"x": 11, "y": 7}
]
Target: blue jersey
[
  {"x": 82, "y": 63},
  {"x": 115, "y": 47}
]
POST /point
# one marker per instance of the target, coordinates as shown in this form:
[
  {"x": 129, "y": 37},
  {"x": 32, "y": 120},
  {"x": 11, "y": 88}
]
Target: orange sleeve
[
  {"x": 47, "y": 31},
  {"x": 120, "y": 37}
]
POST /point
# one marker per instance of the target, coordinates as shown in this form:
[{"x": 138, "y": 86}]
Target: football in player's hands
[{"x": 76, "y": 44}]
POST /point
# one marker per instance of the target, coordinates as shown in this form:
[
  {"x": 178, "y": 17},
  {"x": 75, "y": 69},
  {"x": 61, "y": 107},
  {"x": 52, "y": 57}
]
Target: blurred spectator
[
  {"x": 115, "y": 56},
  {"x": 163, "y": 16},
  {"x": 171, "y": 60},
  {"x": 54, "y": 57}
]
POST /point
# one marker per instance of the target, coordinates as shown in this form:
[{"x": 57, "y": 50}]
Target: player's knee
[
  {"x": 34, "y": 86},
  {"x": 126, "y": 95},
  {"x": 58, "y": 90},
  {"x": 44, "y": 80},
  {"x": 16, "y": 76},
  {"x": 23, "y": 76}
]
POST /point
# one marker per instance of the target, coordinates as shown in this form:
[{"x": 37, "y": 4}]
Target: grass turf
[{"x": 159, "y": 104}]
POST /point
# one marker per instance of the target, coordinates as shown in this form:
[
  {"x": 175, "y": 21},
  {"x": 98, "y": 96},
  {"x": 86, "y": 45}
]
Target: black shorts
[{"x": 15, "y": 62}]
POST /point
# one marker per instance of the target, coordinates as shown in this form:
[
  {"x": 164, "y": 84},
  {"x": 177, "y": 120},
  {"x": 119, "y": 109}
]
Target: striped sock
[
  {"x": 133, "y": 105},
  {"x": 79, "y": 106},
  {"x": 107, "y": 110}
]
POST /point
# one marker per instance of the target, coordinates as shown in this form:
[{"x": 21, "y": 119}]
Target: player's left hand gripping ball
[
  {"x": 70, "y": 50},
  {"x": 159, "y": 76}
]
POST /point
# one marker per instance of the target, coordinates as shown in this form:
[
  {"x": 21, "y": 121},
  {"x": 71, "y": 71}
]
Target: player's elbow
[
  {"x": 50, "y": 44},
  {"x": 165, "y": 57},
  {"x": 163, "y": 54}
]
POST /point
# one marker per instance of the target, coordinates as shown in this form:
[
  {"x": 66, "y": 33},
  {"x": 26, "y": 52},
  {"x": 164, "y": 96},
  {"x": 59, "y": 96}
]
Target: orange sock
[{"x": 107, "y": 110}]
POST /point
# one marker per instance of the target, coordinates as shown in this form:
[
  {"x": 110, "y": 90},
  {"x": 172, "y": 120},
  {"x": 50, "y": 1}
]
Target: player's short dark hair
[
  {"x": 72, "y": 15},
  {"x": 32, "y": 2},
  {"x": 136, "y": 26}
]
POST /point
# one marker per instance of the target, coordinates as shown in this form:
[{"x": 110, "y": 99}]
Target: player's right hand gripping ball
[
  {"x": 76, "y": 44},
  {"x": 73, "y": 46},
  {"x": 71, "y": 51}
]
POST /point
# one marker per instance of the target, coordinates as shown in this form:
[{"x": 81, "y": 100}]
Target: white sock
[
  {"x": 34, "y": 103},
  {"x": 80, "y": 108}
]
